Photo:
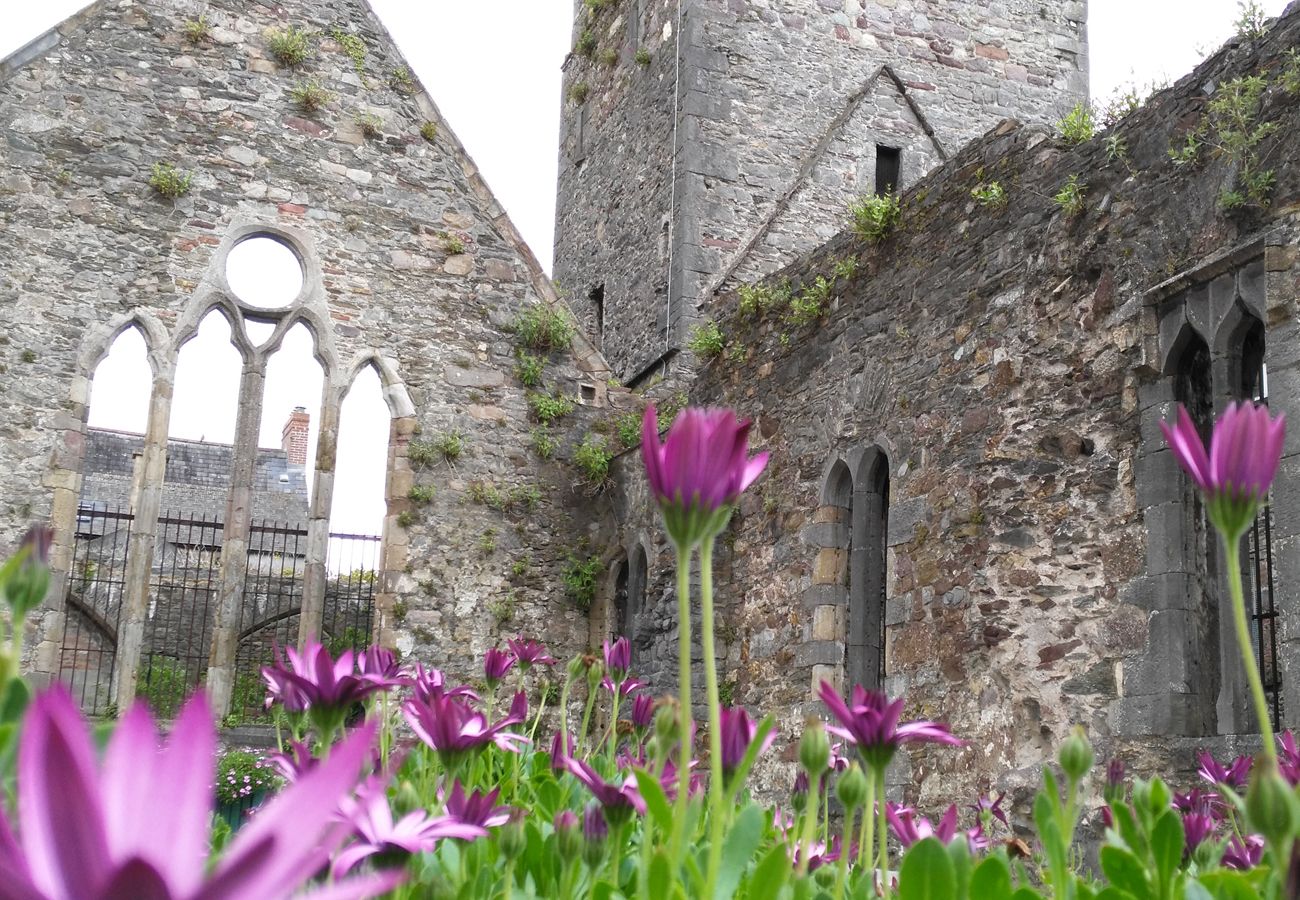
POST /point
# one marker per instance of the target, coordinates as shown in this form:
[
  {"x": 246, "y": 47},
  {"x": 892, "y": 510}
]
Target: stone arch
[
  {"x": 99, "y": 340},
  {"x": 1187, "y": 335}
]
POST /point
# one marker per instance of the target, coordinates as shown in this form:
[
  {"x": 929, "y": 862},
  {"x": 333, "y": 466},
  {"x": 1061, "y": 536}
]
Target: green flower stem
[
  {"x": 805, "y": 838},
  {"x": 616, "y": 863},
  {"x": 866, "y": 839},
  {"x": 613, "y": 725},
  {"x": 882, "y": 863},
  {"x": 1232, "y": 550},
  {"x": 846, "y": 840},
  {"x": 717, "y": 811},
  {"x": 586, "y": 720},
  {"x": 684, "y": 696}
]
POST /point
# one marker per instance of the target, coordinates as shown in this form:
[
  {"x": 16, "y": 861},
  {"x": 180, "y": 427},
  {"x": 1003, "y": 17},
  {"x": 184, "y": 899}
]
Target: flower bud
[
  {"x": 814, "y": 748},
  {"x": 408, "y": 797},
  {"x": 1114, "y": 790},
  {"x": 799, "y": 794},
  {"x": 1076, "y": 755},
  {"x": 577, "y": 666},
  {"x": 568, "y": 835},
  {"x": 594, "y": 831},
  {"x": 25, "y": 586},
  {"x": 1271, "y": 805},
  {"x": 667, "y": 729},
  {"x": 512, "y": 838},
  {"x": 852, "y": 788},
  {"x": 595, "y": 672}
]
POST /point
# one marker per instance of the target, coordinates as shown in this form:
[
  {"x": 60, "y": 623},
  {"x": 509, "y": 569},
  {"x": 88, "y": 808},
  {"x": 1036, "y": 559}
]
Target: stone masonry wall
[
  {"x": 1009, "y": 365},
  {"x": 779, "y": 106},
  {"x": 88, "y": 110},
  {"x": 615, "y": 179}
]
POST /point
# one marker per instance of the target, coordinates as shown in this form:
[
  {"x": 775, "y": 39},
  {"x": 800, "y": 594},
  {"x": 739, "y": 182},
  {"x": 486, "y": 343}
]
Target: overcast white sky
[{"x": 494, "y": 70}]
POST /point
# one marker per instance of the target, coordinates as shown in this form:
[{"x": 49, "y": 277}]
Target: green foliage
[
  {"x": 244, "y": 773},
  {"x": 452, "y": 243},
  {"x": 598, "y": 5},
  {"x": 1078, "y": 125},
  {"x": 670, "y": 407},
  {"x": 309, "y": 96},
  {"x": 579, "y": 577},
  {"x": 989, "y": 194},
  {"x": 1120, "y": 104},
  {"x": 592, "y": 457},
  {"x": 846, "y": 267},
  {"x": 487, "y": 542},
  {"x": 758, "y": 299},
  {"x": 1289, "y": 77},
  {"x": 422, "y": 453},
  {"x": 1116, "y": 148},
  {"x": 1071, "y": 195},
  {"x": 197, "y": 30},
  {"x": 353, "y": 46},
  {"x": 1188, "y": 151},
  {"x": 706, "y": 340},
  {"x": 519, "y": 568},
  {"x": 421, "y": 493},
  {"x": 169, "y": 181},
  {"x": 290, "y": 46},
  {"x": 643, "y": 57},
  {"x": 544, "y": 445},
  {"x": 609, "y": 57},
  {"x": 1234, "y": 121},
  {"x": 401, "y": 80},
  {"x": 163, "y": 685},
  {"x": 585, "y": 46},
  {"x": 371, "y": 125},
  {"x": 405, "y": 519},
  {"x": 875, "y": 215},
  {"x": 578, "y": 92},
  {"x": 429, "y": 131},
  {"x": 485, "y": 493},
  {"x": 450, "y": 446},
  {"x": 1252, "y": 20},
  {"x": 549, "y": 407},
  {"x": 502, "y": 609},
  {"x": 627, "y": 428},
  {"x": 541, "y": 327},
  {"x": 529, "y": 369},
  {"x": 811, "y": 303}
]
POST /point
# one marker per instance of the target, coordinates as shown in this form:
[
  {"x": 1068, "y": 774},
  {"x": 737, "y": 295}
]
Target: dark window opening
[
  {"x": 597, "y": 298},
  {"x": 889, "y": 164},
  {"x": 1252, "y": 384}
]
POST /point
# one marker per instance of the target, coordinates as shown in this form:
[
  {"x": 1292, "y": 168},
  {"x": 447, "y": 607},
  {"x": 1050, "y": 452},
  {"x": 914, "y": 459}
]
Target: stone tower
[{"x": 708, "y": 142}]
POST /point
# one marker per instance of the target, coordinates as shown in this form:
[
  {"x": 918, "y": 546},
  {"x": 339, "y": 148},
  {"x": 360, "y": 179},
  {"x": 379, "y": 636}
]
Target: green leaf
[
  {"x": 738, "y": 848},
  {"x": 1167, "y": 840},
  {"x": 959, "y": 853},
  {"x": 1227, "y": 885},
  {"x": 655, "y": 801},
  {"x": 660, "y": 877},
  {"x": 15, "y": 697},
  {"x": 926, "y": 873},
  {"x": 1025, "y": 893},
  {"x": 770, "y": 876},
  {"x": 1114, "y": 893},
  {"x": 1125, "y": 872},
  {"x": 991, "y": 880}
]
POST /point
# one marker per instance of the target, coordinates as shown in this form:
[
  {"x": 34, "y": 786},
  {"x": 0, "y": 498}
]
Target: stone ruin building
[{"x": 969, "y": 500}]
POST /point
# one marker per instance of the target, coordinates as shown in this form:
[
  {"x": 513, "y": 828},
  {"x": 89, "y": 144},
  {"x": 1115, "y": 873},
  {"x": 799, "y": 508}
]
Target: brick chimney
[{"x": 294, "y": 437}]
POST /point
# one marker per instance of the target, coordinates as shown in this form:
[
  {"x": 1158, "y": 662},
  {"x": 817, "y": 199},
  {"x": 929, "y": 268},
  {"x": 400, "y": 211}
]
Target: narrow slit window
[
  {"x": 597, "y": 298},
  {"x": 889, "y": 162}
]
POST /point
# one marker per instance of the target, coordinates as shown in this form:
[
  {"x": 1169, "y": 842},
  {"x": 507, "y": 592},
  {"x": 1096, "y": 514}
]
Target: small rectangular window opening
[
  {"x": 597, "y": 297},
  {"x": 587, "y": 393},
  {"x": 889, "y": 162}
]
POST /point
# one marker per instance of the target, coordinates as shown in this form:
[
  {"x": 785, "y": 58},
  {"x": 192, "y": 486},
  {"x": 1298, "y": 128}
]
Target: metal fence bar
[
  {"x": 269, "y": 613},
  {"x": 93, "y": 606},
  {"x": 178, "y": 629},
  {"x": 350, "y": 591}
]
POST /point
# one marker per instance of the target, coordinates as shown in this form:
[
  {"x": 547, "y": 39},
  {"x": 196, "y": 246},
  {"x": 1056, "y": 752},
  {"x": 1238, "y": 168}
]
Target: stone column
[
  {"x": 394, "y": 543},
  {"x": 234, "y": 546},
  {"x": 146, "y": 503},
  {"x": 827, "y": 597},
  {"x": 315, "y": 575}
]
